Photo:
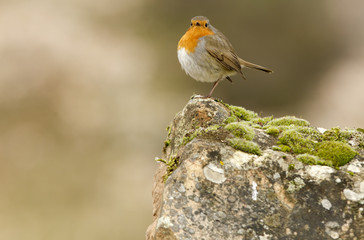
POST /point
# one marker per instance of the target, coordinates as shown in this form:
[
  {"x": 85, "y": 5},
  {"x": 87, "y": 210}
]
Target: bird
[{"x": 207, "y": 55}]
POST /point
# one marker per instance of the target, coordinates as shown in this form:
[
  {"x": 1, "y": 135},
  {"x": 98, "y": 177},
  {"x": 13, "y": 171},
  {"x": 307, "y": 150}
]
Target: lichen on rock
[{"x": 227, "y": 173}]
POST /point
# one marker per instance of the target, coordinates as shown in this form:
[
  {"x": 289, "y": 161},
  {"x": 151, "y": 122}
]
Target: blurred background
[{"x": 88, "y": 87}]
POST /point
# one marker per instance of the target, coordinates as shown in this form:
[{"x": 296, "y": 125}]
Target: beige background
[{"x": 88, "y": 87}]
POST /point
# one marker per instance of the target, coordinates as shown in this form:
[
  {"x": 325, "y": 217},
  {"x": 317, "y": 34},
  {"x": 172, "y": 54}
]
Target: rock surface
[{"x": 215, "y": 191}]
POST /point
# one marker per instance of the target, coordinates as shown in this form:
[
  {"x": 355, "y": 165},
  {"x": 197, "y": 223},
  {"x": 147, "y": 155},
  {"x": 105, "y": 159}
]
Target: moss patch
[
  {"x": 168, "y": 129},
  {"x": 260, "y": 122},
  {"x": 231, "y": 119},
  {"x": 172, "y": 163},
  {"x": 297, "y": 141},
  {"x": 241, "y": 113},
  {"x": 329, "y": 148},
  {"x": 291, "y": 167},
  {"x": 189, "y": 136},
  {"x": 344, "y": 135},
  {"x": 245, "y": 146},
  {"x": 308, "y": 158},
  {"x": 313, "y": 160},
  {"x": 289, "y": 120},
  {"x": 167, "y": 143},
  {"x": 276, "y": 130},
  {"x": 282, "y": 148},
  {"x": 313, "y": 147},
  {"x": 199, "y": 132},
  {"x": 338, "y": 153},
  {"x": 336, "y": 134},
  {"x": 273, "y": 130},
  {"x": 241, "y": 130},
  {"x": 293, "y": 135}
]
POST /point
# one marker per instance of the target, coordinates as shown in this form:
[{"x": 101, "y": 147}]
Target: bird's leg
[{"x": 213, "y": 87}]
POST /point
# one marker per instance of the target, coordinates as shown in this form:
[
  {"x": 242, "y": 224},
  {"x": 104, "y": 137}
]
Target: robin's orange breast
[{"x": 190, "y": 40}]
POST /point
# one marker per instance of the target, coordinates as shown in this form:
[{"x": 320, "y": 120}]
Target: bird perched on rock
[{"x": 208, "y": 56}]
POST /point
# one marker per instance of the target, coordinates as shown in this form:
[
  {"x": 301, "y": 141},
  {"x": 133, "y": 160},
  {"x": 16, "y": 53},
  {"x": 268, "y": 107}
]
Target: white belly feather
[{"x": 200, "y": 65}]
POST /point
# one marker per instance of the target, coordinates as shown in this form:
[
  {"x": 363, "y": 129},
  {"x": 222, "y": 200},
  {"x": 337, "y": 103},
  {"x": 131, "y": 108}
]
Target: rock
[{"x": 219, "y": 180}]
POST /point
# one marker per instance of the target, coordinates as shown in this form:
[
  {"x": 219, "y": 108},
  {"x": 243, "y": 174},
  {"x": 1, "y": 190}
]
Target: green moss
[
  {"x": 241, "y": 130},
  {"x": 291, "y": 167},
  {"x": 168, "y": 129},
  {"x": 272, "y": 130},
  {"x": 308, "y": 159},
  {"x": 282, "y": 148},
  {"x": 172, "y": 164},
  {"x": 294, "y": 136},
  {"x": 262, "y": 121},
  {"x": 245, "y": 146},
  {"x": 211, "y": 128},
  {"x": 297, "y": 141},
  {"x": 242, "y": 113},
  {"x": 309, "y": 131},
  {"x": 167, "y": 143},
  {"x": 189, "y": 136},
  {"x": 308, "y": 143},
  {"x": 160, "y": 160},
  {"x": 276, "y": 148},
  {"x": 285, "y": 148},
  {"x": 305, "y": 130},
  {"x": 231, "y": 119},
  {"x": 338, "y": 152},
  {"x": 336, "y": 134},
  {"x": 350, "y": 172},
  {"x": 199, "y": 132},
  {"x": 287, "y": 121}
]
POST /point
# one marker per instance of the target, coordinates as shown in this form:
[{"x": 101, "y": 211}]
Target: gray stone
[
  {"x": 218, "y": 192},
  {"x": 353, "y": 196}
]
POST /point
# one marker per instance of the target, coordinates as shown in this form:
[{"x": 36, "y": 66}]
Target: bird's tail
[{"x": 244, "y": 63}]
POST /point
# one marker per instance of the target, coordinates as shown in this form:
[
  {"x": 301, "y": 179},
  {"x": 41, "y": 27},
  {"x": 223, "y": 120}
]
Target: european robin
[{"x": 208, "y": 56}]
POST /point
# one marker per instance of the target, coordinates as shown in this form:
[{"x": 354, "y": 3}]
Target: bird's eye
[
  {"x": 205, "y": 24},
  {"x": 191, "y": 24},
  {"x": 198, "y": 24}
]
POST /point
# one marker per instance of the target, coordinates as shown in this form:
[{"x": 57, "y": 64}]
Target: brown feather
[
  {"x": 221, "y": 49},
  {"x": 255, "y": 66}
]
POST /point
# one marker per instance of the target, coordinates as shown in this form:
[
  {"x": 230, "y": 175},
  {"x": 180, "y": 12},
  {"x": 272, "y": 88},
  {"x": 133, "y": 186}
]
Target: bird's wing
[{"x": 221, "y": 50}]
